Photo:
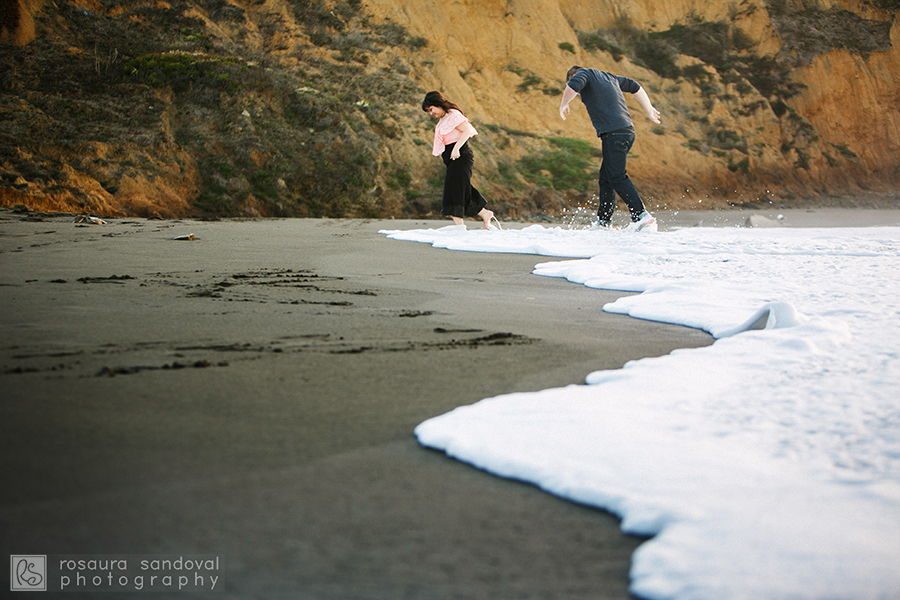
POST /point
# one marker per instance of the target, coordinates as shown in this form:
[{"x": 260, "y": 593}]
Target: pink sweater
[{"x": 446, "y": 132}]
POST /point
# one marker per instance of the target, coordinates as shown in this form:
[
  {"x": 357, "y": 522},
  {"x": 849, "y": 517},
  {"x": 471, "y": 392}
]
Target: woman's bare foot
[
  {"x": 486, "y": 216},
  {"x": 457, "y": 220}
]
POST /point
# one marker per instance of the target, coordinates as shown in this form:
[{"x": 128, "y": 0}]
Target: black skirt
[{"x": 460, "y": 198}]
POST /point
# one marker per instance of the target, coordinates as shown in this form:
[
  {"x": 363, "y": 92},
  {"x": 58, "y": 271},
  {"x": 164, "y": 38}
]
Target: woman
[{"x": 451, "y": 136}]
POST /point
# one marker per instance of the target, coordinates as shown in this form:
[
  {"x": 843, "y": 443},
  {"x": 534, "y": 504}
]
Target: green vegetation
[
  {"x": 750, "y": 108},
  {"x": 693, "y": 144},
  {"x": 742, "y": 165},
  {"x": 531, "y": 80},
  {"x": 569, "y": 164},
  {"x": 274, "y": 133},
  {"x": 182, "y": 70},
  {"x": 810, "y": 31},
  {"x": 516, "y": 132},
  {"x": 555, "y": 163},
  {"x": 722, "y": 47},
  {"x": 400, "y": 178},
  {"x": 601, "y": 41},
  {"x": 846, "y": 152},
  {"x": 725, "y": 139},
  {"x": 508, "y": 175},
  {"x": 883, "y": 4}
]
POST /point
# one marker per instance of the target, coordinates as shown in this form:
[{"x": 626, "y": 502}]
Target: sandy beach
[{"x": 251, "y": 394}]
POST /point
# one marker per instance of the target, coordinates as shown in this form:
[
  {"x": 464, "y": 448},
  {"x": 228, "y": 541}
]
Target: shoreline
[{"x": 886, "y": 211}]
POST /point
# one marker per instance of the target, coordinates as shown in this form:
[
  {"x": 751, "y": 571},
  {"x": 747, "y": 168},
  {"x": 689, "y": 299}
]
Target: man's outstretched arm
[
  {"x": 568, "y": 95},
  {"x": 644, "y": 100}
]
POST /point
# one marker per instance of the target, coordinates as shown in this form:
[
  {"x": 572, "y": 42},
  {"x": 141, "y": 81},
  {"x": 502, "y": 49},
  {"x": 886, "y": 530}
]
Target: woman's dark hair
[{"x": 438, "y": 99}]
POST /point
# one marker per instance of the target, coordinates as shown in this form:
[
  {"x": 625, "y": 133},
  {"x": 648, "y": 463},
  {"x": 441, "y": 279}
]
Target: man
[{"x": 602, "y": 95}]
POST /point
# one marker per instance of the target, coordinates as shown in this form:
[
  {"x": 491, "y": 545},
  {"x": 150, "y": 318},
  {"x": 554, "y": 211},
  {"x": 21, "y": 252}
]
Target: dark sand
[{"x": 252, "y": 395}]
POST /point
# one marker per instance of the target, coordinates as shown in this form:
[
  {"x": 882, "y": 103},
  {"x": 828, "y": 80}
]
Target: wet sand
[{"x": 251, "y": 394}]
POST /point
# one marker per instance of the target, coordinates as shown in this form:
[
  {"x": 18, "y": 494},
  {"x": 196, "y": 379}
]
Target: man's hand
[
  {"x": 644, "y": 100},
  {"x": 568, "y": 95}
]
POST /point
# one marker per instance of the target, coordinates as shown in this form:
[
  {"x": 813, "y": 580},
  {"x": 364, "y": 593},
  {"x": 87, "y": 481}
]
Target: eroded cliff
[{"x": 277, "y": 107}]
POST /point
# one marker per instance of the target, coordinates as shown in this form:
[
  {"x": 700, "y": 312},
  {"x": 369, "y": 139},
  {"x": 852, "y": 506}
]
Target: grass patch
[
  {"x": 530, "y": 81},
  {"x": 569, "y": 164},
  {"x": 742, "y": 165},
  {"x": 183, "y": 70},
  {"x": 846, "y": 152}
]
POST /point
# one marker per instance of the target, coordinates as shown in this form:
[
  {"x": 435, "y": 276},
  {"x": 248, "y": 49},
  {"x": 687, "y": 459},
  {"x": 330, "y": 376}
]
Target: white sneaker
[
  {"x": 646, "y": 222},
  {"x": 598, "y": 225}
]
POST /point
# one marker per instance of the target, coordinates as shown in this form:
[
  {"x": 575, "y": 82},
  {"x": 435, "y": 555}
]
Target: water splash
[{"x": 581, "y": 216}]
